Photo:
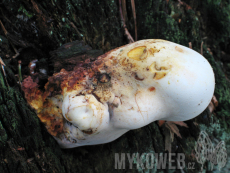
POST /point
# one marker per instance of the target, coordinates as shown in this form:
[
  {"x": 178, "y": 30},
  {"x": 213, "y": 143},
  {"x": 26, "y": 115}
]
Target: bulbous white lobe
[{"x": 85, "y": 112}]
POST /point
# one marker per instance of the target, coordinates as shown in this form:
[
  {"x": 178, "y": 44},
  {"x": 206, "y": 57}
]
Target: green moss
[
  {"x": 75, "y": 17},
  {"x": 3, "y": 40},
  {"x": 25, "y": 12},
  {"x": 2, "y": 82},
  {"x": 3, "y": 136},
  {"x": 52, "y": 159},
  {"x": 218, "y": 23},
  {"x": 222, "y": 91},
  {"x": 180, "y": 26}
]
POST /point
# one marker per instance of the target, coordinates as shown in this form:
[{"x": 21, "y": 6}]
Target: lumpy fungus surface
[{"x": 124, "y": 89}]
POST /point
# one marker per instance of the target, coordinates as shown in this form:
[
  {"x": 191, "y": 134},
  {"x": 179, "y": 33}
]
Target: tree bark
[{"x": 33, "y": 29}]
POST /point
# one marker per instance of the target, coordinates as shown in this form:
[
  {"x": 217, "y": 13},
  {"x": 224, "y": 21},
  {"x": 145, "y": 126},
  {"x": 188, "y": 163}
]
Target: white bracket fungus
[{"x": 126, "y": 88}]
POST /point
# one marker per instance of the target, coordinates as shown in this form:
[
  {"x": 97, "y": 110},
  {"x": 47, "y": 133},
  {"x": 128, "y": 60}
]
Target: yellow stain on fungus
[
  {"x": 179, "y": 49},
  {"x": 153, "y": 50},
  {"x": 159, "y": 72},
  {"x": 138, "y": 53},
  {"x": 160, "y": 75},
  {"x": 69, "y": 119}
]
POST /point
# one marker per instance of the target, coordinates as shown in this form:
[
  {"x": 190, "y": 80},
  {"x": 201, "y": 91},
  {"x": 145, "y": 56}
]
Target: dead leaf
[
  {"x": 20, "y": 148},
  {"x": 190, "y": 45},
  {"x": 195, "y": 123},
  {"x": 161, "y": 122},
  {"x": 29, "y": 160},
  {"x": 213, "y": 104},
  {"x": 173, "y": 128},
  {"x": 180, "y": 123}
]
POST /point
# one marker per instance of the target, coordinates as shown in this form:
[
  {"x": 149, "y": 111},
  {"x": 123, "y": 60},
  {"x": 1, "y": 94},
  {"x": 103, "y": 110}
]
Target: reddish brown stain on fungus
[
  {"x": 137, "y": 78},
  {"x": 123, "y": 62},
  {"x": 89, "y": 132},
  {"x": 115, "y": 61},
  {"x": 51, "y": 114},
  {"x": 104, "y": 78},
  {"x": 151, "y": 89}
]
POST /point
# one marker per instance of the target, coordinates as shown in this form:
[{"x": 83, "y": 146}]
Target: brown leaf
[
  {"x": 180, "y": 123},
  {"x": 161, "y": 122},
  {"x": 30, "y": 159},
  {"x": 20, "y": 148},
  {"x": 213, "y": 104},
  {"x": 211, "y": 107},
  {"x": 190, "y": 45},
  {"x": 195, "y": 123},
  {"x": 172, "y": 127},
  {"x": 214, "y": 100}
]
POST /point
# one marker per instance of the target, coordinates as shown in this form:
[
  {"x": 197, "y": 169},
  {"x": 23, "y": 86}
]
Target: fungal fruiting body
[{"x": 126, "y": 88}]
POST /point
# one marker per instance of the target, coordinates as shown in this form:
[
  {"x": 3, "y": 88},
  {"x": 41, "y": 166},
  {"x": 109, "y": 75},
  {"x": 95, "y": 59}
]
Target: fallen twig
[
  {"x": 72, "y": 24},
  {"x": 190, "y": 45},
  {"x": 134, "y": 17},
  {"x": 20, "y": 71},
  {"x": 124, "y": 12},
  {"x": 129, "y": 37},
  {"x": 3, "y": 70},
  {"x": 201, "y": 48},
  {"x": 6, "y": 34}
]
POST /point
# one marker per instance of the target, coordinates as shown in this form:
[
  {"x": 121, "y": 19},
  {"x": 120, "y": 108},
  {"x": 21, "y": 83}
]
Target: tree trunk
[{"x": 32, "y": 29}]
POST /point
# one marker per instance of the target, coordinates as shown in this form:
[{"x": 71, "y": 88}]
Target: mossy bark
[{"x": 41, "y": 27}]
